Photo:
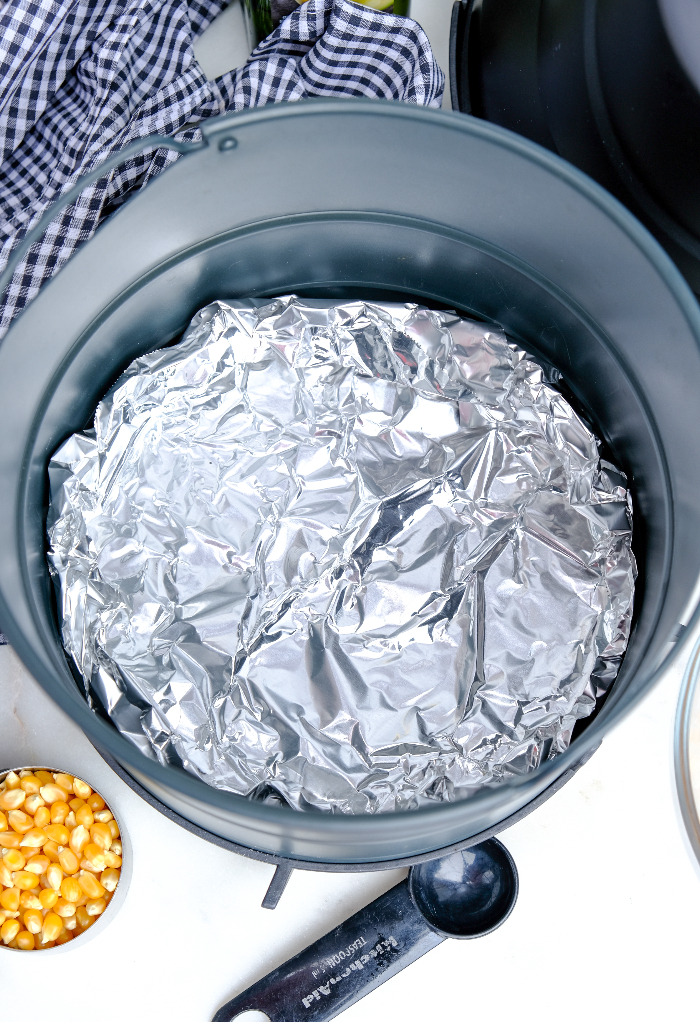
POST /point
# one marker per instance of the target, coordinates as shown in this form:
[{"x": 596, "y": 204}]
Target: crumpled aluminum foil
[{"x": 361, "y": 557}]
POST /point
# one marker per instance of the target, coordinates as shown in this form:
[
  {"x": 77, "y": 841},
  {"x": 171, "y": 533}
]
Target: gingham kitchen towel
[{"x": 82, "y": 79}]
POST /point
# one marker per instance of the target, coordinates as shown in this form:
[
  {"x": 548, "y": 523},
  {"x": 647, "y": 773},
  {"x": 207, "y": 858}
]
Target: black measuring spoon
[{"x": 465, "y": 894}]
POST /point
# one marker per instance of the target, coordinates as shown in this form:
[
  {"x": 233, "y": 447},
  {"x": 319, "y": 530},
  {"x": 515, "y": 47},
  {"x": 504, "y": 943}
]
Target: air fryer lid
[{"x": 366, "y": 198}]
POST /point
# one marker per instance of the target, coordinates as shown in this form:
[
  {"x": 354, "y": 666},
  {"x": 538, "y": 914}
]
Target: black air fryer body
[{"x": 613, "y": 86}]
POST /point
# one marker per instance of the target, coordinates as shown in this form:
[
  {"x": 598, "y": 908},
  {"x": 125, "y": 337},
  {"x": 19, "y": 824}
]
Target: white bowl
[{"x": 117, "y": 899}]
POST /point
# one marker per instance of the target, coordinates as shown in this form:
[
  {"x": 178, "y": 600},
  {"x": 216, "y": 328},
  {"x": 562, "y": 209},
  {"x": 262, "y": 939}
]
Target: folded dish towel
[{"x": 82, "y": 79}]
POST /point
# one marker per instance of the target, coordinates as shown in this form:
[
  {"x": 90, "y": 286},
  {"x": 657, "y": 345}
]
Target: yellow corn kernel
[
  {"x": 95, "y": 801},
  {"x": 19, "y": 821},
  {"x": 25, "y": 940},
  {"x": 48, "y": 898},
  {"x": 57, "y": 832},
  {"x": 96, "y": 906},
  {"x": 28, "y": 899},
  {"x": 103, "y": 816},
  {"x": 65, "y": 781},
  {"x": 30, "y": 783},
  {"x": 71, "y": 890},
  {"x": 109, "y": 878},
  {"x": 84, "y": 919},
  {"x": 14, "y": 859},
  {"x": 9, "y": 930},
  {"x": 11, "y": 839},
  {"x": 5, "y": 875},
  {"x": 3, "y": 822},
  {"x": 44, "y": 776},
  {"x": 32, "y": 803},
  {"x": 91, "y": 867},
  {"x": 38, "y": 864},
  {"x": 54, "y": 875},
  {"x": 33, "y": 920},
  {"x": 70, "y": 923},
  {"x": 91, "y": 885},
  {"x": 81, "y": 789},
  {"x": 76, "y": 804},
  {"x": 113, "y": 829},
  {"x": 12, "y": 799},
  {"x": 78, "y": 839},
  {"x": 101, "y": 835},
  {"x": 9, "y": 899},
  {"x": 59, "y": 812},
  {"x": 64, "y": 936},
  {"x": 12, "y": 780},
  {"x": 68, "y": 861},
  {"x": 34, "y": 838},
  {"x": 113, "y": 860},
  {"x": 26, "y": 881},
  {"x": 30, "y": 903},
  {"x": 116, "y": 847},
  {"x": 53, "y": 924},
  {"x": 84, "y": 817},
  {"x": 83, "y": 899},
  {"x": 94, "y": 855},
  {"x": 50, "y": 850},
  {"x": 53, "y": 793},
  {"x": 64, "y": 908},
  {"x": 70, "y": 820},
  {"x": 42, "y": 816}
]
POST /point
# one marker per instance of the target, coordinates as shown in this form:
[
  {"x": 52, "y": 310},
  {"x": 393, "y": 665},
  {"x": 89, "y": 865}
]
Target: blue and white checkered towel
[{"x": 81, "y": 79}]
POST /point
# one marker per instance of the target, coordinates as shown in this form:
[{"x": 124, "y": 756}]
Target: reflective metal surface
[
  {"x": 687, "y": 749},
  {"x": 358, "y": 557}
]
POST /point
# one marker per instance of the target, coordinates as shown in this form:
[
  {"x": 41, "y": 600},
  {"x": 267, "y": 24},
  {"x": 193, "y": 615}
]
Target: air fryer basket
[{"x": 362, "y": 198}]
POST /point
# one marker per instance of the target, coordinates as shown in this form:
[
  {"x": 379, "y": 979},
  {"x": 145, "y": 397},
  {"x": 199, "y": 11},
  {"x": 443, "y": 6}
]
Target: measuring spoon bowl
[{"x": 467, "y": 894}]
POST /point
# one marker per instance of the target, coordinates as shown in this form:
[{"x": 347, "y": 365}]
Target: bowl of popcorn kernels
[{"x": 61, "y": 852}]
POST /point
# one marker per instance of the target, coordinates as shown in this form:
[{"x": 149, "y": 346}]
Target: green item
[
  {"x": 258, "y": 20},
  {"x": 395, "y": 7}
]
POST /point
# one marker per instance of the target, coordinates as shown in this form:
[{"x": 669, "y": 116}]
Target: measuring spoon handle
[{"x": 344, "y": 965}]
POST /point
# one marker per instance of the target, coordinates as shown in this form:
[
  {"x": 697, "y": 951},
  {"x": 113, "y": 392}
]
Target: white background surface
[{"x": 606, "y": 926}]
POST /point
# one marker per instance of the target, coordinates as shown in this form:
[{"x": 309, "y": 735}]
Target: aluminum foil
[{"x": 358, "y": 557}]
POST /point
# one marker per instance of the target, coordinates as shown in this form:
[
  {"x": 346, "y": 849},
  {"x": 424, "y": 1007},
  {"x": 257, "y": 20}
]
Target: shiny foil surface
[{"x": 360, "y": 557}]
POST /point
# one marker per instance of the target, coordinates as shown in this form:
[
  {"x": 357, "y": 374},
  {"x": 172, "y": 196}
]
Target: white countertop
[{"x": 605, "y": 925}]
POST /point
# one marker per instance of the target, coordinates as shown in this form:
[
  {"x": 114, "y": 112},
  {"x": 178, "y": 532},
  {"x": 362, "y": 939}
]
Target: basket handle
[{"x": 115, "y": 160}]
